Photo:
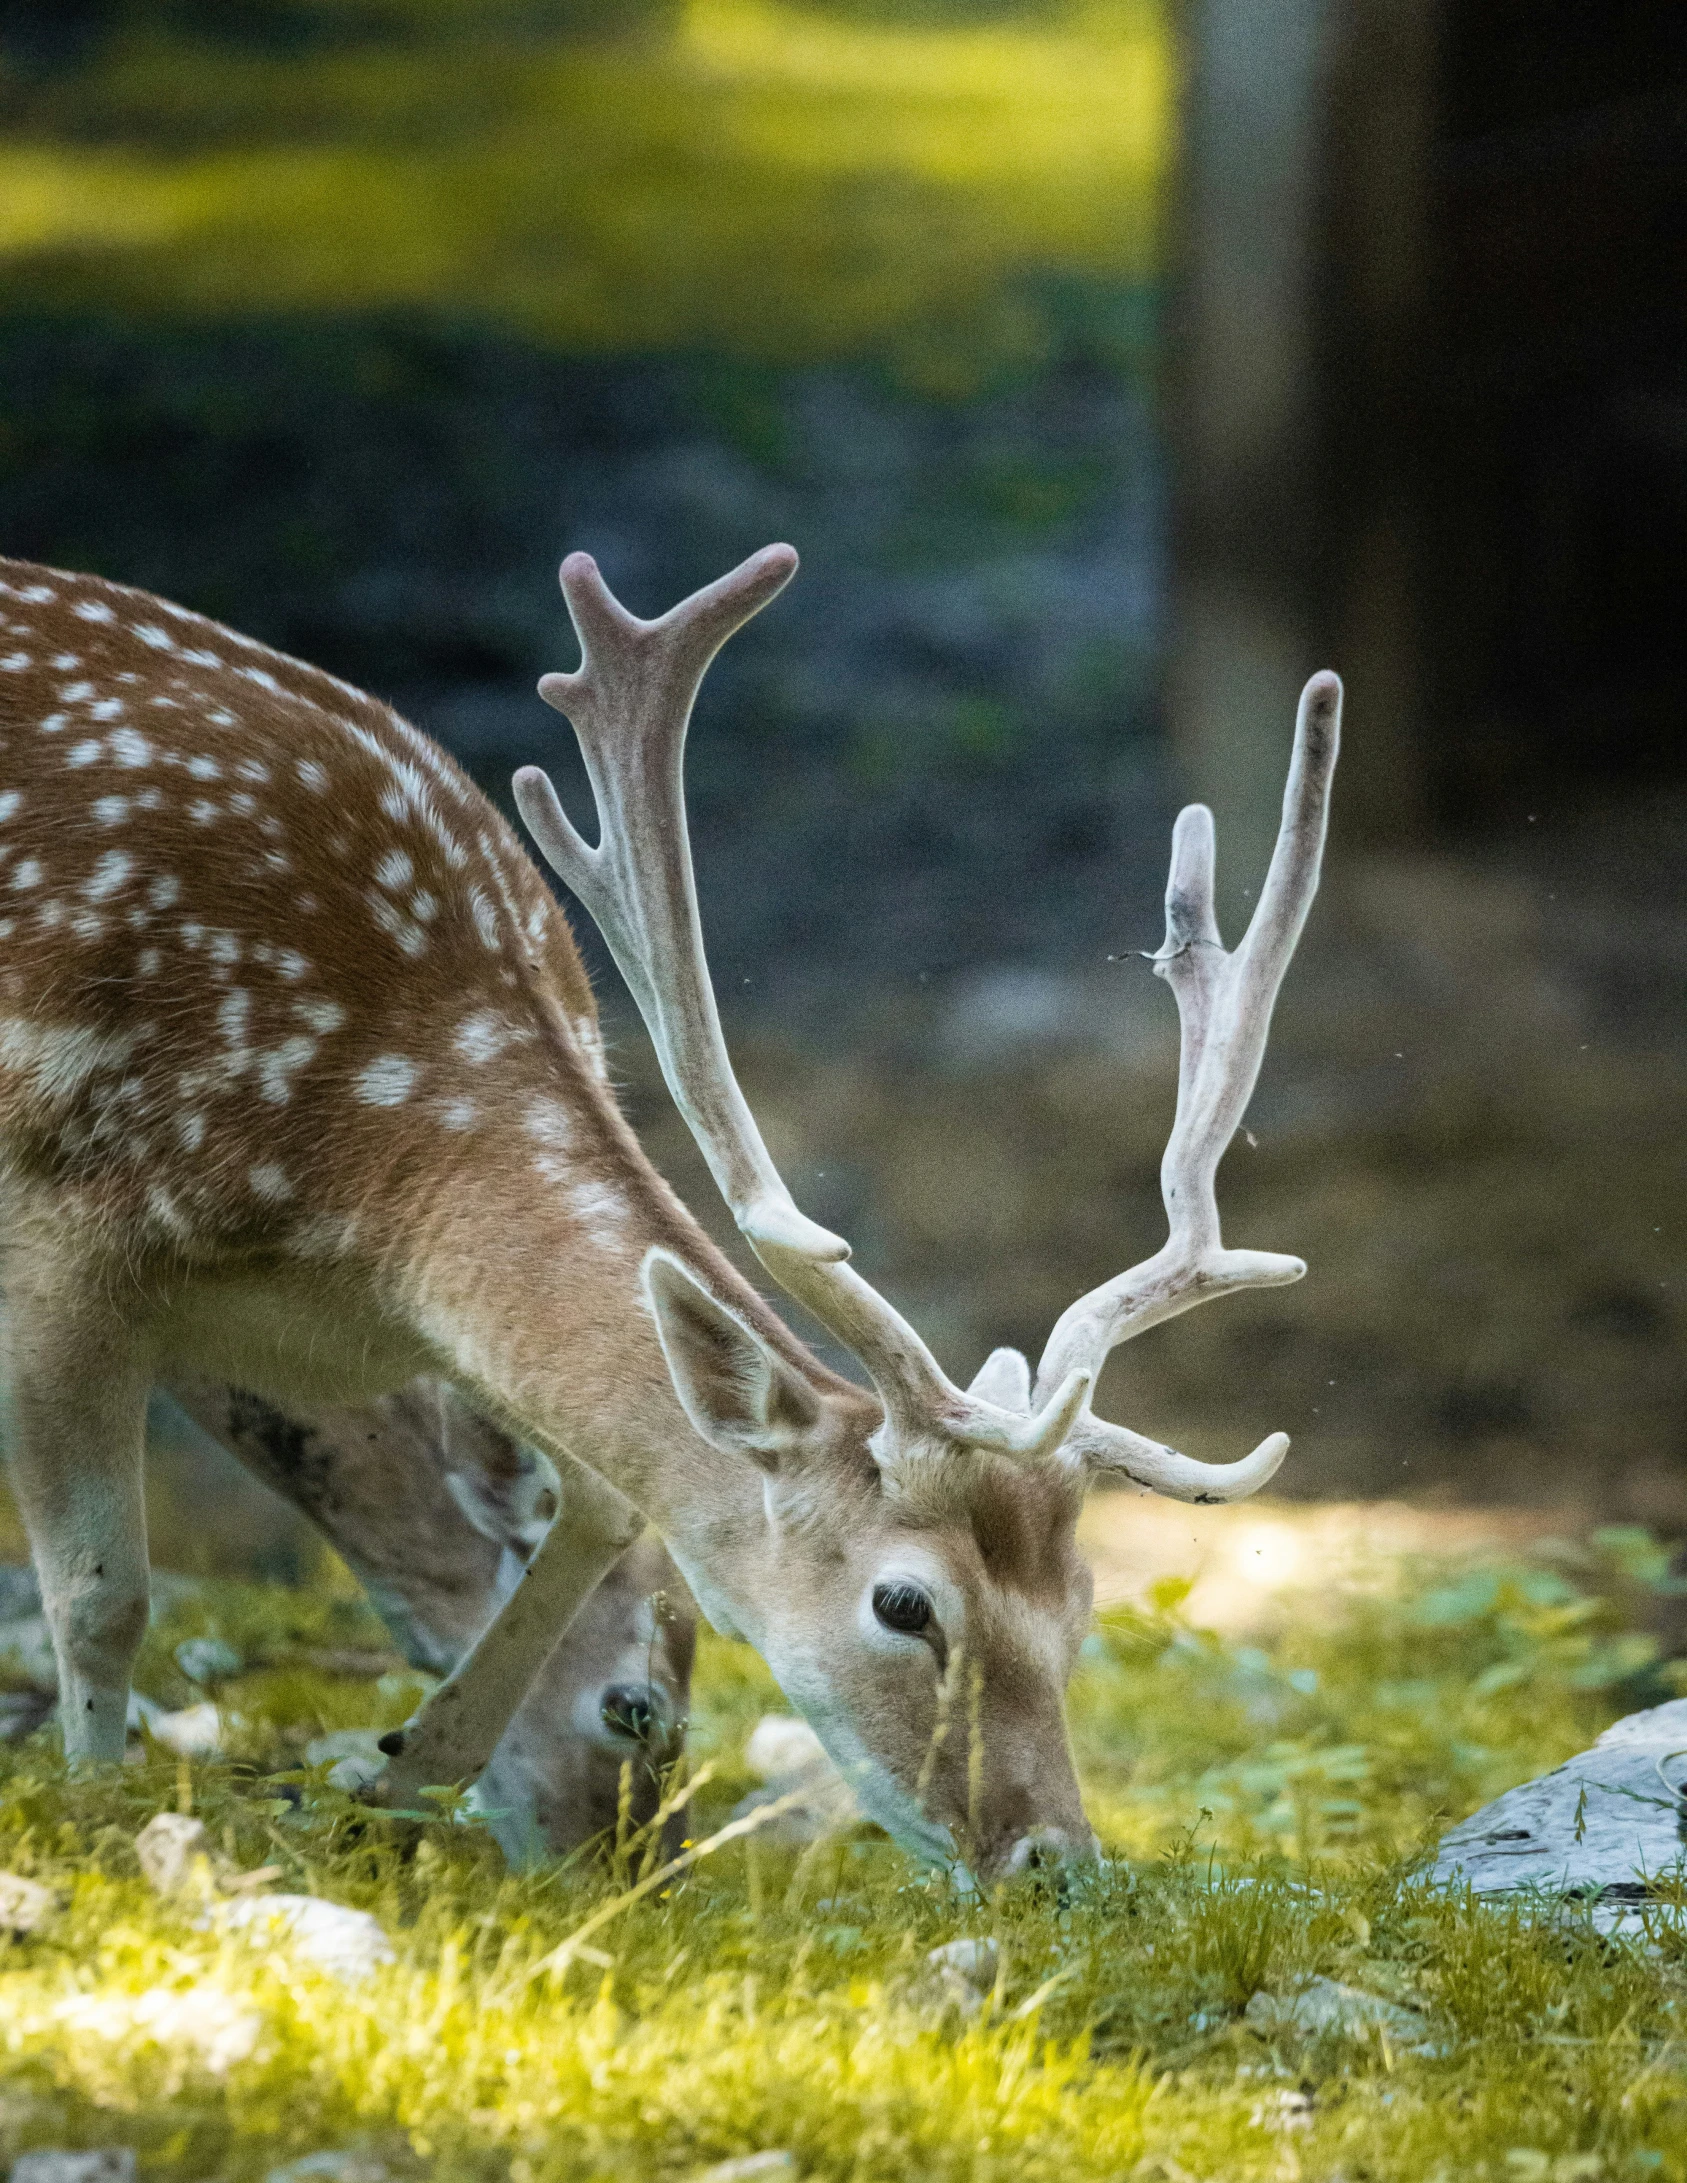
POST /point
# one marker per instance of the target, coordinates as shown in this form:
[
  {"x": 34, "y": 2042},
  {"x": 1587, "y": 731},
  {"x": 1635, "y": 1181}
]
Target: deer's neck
[{"x": 524, "y": 1279}]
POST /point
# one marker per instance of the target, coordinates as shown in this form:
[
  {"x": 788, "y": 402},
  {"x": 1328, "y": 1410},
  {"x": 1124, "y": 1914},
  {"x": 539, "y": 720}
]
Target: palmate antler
[{"x": 630, "y": 704}]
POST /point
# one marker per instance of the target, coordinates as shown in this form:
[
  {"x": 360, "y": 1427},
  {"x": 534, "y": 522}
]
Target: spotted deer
[
  {"x": 301, "y": 1088},
  {"x": 437, "y": 1512}
]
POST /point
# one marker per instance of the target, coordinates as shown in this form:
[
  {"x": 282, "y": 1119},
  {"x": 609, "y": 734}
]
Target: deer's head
[{"x": 914, "y": 1583}]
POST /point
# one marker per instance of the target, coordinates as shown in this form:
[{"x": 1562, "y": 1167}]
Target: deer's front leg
[
  {"x": 75, "y": 1429},
  {"x": 451, "y": 1739}
]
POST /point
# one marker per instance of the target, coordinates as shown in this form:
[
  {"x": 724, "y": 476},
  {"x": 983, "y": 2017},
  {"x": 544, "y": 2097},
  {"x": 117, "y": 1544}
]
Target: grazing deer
[
  {"x": 437, "y": 1513},
  {"x": 301, "y": 1088}
]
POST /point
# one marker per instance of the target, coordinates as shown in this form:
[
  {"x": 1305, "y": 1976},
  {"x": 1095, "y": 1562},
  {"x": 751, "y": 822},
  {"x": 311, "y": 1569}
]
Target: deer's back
[{"x": 261, "y": 942}]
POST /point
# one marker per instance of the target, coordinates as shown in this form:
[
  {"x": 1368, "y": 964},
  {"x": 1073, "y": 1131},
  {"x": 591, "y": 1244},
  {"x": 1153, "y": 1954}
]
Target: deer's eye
[{"x": 904, "y": 1608}]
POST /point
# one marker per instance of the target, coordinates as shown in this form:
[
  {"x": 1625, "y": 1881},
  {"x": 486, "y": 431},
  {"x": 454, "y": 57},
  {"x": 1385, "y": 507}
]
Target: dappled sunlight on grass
[
  {"x": 1270, "y": 1797},
  {"x": 759, "y": 179}
]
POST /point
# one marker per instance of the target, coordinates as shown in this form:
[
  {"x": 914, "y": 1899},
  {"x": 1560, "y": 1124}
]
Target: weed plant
[{"x": 1267, "y": 1806}]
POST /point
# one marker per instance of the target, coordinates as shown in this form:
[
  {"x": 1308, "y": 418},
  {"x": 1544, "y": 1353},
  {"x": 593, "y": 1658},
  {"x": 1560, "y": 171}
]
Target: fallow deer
[
  {"x": 301, "y": 1088},
  {"x": 437, "y": 1512}
]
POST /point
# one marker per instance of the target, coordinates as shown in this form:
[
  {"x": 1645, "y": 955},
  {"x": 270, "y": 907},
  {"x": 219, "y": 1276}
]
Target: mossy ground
[{"x": 1268, "y": 1805}]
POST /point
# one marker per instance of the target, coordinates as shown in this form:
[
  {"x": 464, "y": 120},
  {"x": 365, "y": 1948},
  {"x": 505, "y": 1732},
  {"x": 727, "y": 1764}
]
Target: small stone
[
  {"x": 1283, "y": 2109},
  {"x": 791, "y": 1759},
  {"x": 24, "y": 1904},
  {"x": 208, "y": 1660},
  {"x": 1321, "y": 2006},
  {"x": 332, "y": 2167},
  {"x": 749, "y": 2168},
  {"x": 111, "y": 2164},
  {"x": 347, "y": 1943},
  {"x": 193, "y": 1733},
  {"x": 27, "y": 1655},
  {"x": 176, "y": 1855},
  {"x": 352, "y": 1755}
]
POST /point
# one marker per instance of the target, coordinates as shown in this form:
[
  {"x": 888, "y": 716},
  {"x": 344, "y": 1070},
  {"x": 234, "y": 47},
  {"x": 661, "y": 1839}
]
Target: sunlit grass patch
[
  {"x": 759, "y": 179},
  {"x": 1270, "y": 1797}
]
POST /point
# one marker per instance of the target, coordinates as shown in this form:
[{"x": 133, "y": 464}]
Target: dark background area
[{"x": 1397, "y": 383}]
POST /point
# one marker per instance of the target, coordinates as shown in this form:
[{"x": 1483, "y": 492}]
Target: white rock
[
  {"x": 111, "y": 2164},
  {"x": 1321, "y": 2006},
  {"x": 193, "y": 1733},
  {"x": 348, "y": 1943},
  {"x": 964, "y": 1972},
  {"x": 175, "y": 1854},
  {"x": 1600, "y": 1829},
  {"x": 26, "y": 1652},
  {"x": 205, "y": 2017},
  {"x": 748, "y": 2168},
  {"x": 24, "y": 1904},
  {"x": 356, "y": 1755},
  {"x": 791, "y": 1759},
  {"x": 335, "y": 2167}
]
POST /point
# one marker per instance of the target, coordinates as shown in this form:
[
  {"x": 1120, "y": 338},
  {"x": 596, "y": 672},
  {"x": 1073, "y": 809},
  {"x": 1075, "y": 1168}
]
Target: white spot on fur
[
  {"x": 395, "y": 870},
  {"x": 315, "y": 777},
  {"x": 93, "y": 610},
  {"x": 168, "y": 1214},
  {"x": 271, "y": 1183},
  {"x": 323, "y": 1016},
  {"x": 55, "y": 723},
  {"x": 219, "y": 718},
  {"x": 110, "y": 810},
  {"x": 28, "y": 873},
  {"x": 108, "y": 708},
  {"x": 257, "y": 675},
  {"x": 165, "y": 891},
  {"x": 83, "y": 754},
  {"x": 225, "y": 949},
  {"x": 77, "y": 693},
  {"x": 291, "y": 965},
  {"x": 458, "y": 1114},
  {"x": 550, "y": 1122},
  {"x": 109, "y": 874},
  {"x": 410, "y": 937},
  {"x": 147, "y": 962},
  {"x": 599, "y": 1205},
  {"x": 278, "y": 1067},
  {"x": 387, "y": 1081},
  {"x": 87, "y": 924},
  {"x": 14, "y": 663},
  {"x": 202, "y": 813},
  {"x": 205, "y": 769},
  {"x": 130, "y": 747},
  {"x": 190, "y": 1130},
  {"x": 9, "y": 802},
  {"x": 150, "y": 799},
  {"x": 243, "y": 805},
  {"x": 253, "y": 769},
  {"x": 483, "y": 1036},
  {"x": 330, "y": 1235},
  {"x": 59, "y": 1059},
  {"x": 159, "y": 639},
  {"x": 485, "y": 919},
  {"x": 233, "y": 1013},
  {"x": 424, "y": 907}
]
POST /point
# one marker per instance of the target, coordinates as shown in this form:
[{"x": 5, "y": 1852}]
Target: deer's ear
[{"x": 741, "y": 1395}]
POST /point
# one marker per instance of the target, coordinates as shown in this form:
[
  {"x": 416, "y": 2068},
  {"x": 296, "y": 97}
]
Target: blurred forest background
[{"x": 1113, "y": 365}]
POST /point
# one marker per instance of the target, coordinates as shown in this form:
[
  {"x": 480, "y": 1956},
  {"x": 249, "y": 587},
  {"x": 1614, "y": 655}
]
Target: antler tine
[
  {"x": 1224, "y": 1004},
  {"x": 630, "y": 703}
]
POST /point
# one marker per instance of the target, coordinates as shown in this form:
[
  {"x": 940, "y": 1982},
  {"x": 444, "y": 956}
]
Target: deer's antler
[
  {"x": 1224, "y": 1005},
  {"x": 630, "y": 704}
]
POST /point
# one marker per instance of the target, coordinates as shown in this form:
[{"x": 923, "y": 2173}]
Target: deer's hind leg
[{"x": 75, "y": 1414}]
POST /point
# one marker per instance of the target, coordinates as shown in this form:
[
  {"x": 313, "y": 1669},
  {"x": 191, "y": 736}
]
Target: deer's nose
[
  {"x": 1046, "y": 1849},
  {"x": 634, "y": 1710}
]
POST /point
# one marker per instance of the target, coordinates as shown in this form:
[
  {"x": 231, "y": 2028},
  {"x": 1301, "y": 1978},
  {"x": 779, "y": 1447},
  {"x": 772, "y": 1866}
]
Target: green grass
[
  {"x": 1267, "y": 1804},
  {"x": 752, "y": 177}
]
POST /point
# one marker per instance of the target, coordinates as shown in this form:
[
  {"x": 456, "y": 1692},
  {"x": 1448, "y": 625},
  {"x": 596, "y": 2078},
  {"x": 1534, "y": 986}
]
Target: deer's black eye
[{"x": 902, "y": 1607}]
